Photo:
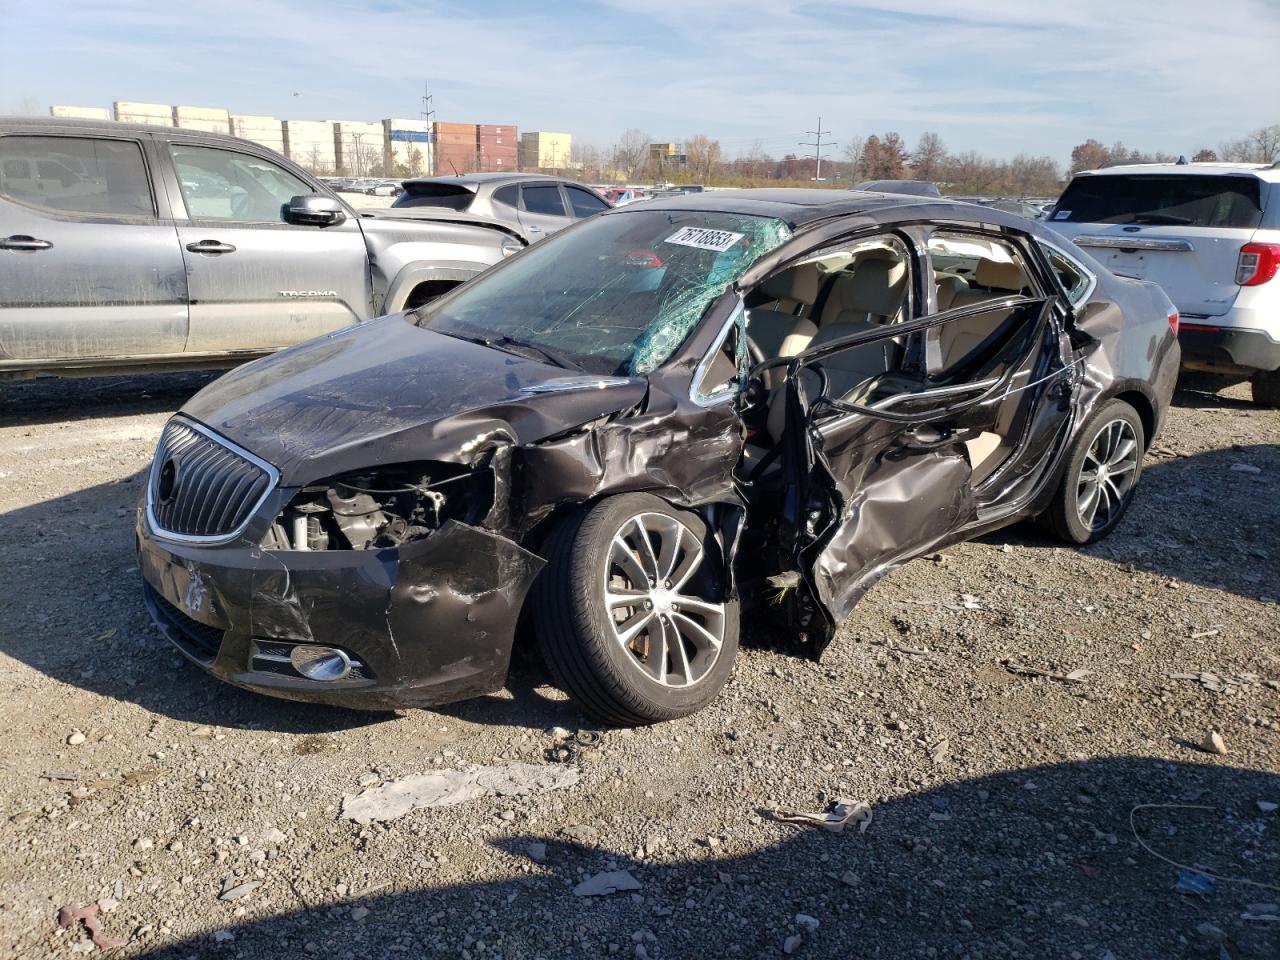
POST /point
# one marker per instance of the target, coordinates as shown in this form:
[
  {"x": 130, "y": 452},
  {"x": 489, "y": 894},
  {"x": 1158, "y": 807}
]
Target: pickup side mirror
[{"x": 314, "y": 210}]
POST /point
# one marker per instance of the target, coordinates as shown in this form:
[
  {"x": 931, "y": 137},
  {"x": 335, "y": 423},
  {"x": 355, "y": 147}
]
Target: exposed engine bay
[{"x": 381, "y": 507}]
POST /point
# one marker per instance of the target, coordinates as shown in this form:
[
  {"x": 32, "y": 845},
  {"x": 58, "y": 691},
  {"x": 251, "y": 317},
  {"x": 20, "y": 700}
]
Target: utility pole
[
  {"x": 817, "y": 148},
  {"x": 428, "y": 113}
]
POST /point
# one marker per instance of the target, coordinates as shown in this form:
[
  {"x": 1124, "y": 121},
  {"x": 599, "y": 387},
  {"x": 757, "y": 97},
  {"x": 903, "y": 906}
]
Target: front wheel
[
  {"x": 630, "y": 611},
  {"x": 1100, "y": 477}
]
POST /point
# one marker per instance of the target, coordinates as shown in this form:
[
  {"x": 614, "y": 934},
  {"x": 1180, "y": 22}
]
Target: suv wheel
[
  {"x": 1266, "y": 388},
  {"x": 627, "y": 611},
  {"x": 1101, "y": 475}
]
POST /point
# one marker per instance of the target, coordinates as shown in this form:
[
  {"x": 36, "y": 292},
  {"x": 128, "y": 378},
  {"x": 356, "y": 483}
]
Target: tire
[
  {"x": 1064, "y": 516},
  {"x": 1266, "y": 388},
  {"x": 605, "y": 656}
]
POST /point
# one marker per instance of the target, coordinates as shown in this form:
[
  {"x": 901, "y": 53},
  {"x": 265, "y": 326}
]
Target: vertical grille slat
[{"x": 202, "y": 486}]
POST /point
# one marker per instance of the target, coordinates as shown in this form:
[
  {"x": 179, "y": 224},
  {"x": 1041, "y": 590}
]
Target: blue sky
[{"x": 999, "y": 76}]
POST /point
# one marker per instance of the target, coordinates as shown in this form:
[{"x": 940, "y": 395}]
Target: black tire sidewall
[
  {"x": 578, "y": 580},
  {"x": 1266, "y": 388}
]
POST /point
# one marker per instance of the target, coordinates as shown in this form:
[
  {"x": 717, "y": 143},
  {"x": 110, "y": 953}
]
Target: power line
[{"x": 817, "y": 147}]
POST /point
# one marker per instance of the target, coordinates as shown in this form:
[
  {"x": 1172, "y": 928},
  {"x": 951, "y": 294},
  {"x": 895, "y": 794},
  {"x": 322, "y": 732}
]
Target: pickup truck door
[
  {"x": 90, "y": 265},
  {"x": 256, "y": 282}
]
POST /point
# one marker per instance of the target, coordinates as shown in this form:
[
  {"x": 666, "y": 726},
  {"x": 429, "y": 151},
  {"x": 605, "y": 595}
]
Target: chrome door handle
[
  {"x": 22, "y": 242},
  {"x": 536, "y": 230},
  {"x": 210, "y": 246}
]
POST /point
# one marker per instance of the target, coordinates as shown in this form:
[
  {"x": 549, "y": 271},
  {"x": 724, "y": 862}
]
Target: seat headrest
[
  {"x": 798, "y": 283},
  {"x": 875, "y": 287},
  {"x": 999, "y": 276},
  {"x": 949, "y": 287}
]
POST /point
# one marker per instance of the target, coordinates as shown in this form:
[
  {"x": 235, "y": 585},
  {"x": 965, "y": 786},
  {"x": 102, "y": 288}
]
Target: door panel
[
  {"x": 906, "y": 461},
  {"x": 88, "y": 268},
  {"x": 257, "y": 283}
]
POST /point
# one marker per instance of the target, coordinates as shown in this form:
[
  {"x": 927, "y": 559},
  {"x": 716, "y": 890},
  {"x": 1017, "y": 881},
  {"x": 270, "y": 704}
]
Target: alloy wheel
[
  {"x": 669, "y": 633},
  {"x": 1107, "y": 474}
]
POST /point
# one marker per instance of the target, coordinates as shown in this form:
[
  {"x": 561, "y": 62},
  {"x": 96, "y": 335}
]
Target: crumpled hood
[{"x": 390, "y": 392}]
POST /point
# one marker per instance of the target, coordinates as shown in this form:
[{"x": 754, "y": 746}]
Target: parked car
[
  {"x": 1209, "y": 234},
  {"x": 534, "y": 204},
  {"x": 764, "y": 399},
  {"x": 125, "y": 247}
]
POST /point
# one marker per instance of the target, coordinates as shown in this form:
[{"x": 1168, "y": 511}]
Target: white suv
[{"x": 1209, "y": 234}]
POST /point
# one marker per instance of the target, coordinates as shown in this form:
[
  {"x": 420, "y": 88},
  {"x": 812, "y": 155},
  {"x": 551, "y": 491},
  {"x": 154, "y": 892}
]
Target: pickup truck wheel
[
  {"x": 629, "y": 611},
  {"x": 1266, "y": 388},
  {"x": 1100, "y": 477}
]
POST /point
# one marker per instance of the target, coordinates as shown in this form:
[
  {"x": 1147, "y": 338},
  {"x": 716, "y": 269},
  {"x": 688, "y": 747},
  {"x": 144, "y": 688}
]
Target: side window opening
[
  {"x": 1075, "y": 281},
  {"x": 542, "y": 198},
  {"x": 84, "y": 175},
  {"x": 226, "y": 185}
]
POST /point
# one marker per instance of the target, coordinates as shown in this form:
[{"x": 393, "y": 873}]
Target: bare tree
[
  {"x": 1204, "y": 155},
  {"x": 704, "y": 156},
  {"x": 854, "y": 153},
  {"x": 884, "y": 158},
  {"x": 631, "y": 153},
  {"x": 930, "y": 154},
  {"x": 1090, "y": 155}
]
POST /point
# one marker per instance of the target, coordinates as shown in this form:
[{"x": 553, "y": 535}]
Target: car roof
[
  {"x": 1263, "y": 171},
  {"x": 476, "y": 179},
  {"x": 798, "y": 206}
]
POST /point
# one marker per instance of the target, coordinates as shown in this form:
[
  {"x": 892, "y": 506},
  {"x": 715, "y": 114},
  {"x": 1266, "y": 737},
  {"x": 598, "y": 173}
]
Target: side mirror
[{"x": 314, "y": 210}]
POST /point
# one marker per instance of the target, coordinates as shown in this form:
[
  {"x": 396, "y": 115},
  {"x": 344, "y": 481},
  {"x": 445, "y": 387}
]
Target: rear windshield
[
  {"x": 447, "y": 196},
  {"x": 1166, "y": 199}
]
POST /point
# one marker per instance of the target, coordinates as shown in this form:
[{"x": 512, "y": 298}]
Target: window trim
[
  {"x": 84, "y": 215},
  {"x": 709, "y": 357},
  {"x": 1085, "y": 271}
]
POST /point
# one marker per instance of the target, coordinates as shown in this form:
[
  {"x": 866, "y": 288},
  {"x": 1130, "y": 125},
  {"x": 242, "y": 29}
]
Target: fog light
[{"x": 320, "y": 663}]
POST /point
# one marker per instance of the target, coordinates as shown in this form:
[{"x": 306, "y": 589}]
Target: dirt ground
[{"x": 1014, "y": 815}]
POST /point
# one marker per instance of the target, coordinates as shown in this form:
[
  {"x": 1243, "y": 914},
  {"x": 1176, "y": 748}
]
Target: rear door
[
  {"x": 256, "y": 282},
  {"x": 542, "y": 209},
  {"x": 960, "y": 434},
  {"x": 89, "y": 259},
  {"x": 1181, "y": 231}
]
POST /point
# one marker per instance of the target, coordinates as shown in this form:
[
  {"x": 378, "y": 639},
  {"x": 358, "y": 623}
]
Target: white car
[{"x": 1209, "y": 234}]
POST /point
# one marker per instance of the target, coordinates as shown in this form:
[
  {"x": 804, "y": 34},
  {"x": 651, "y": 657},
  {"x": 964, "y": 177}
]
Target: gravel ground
[{"x": 1004, "y": 820}]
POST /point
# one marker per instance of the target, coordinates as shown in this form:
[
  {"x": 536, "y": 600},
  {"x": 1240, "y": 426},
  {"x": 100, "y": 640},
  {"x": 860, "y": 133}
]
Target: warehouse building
[
  {"x": 543, "y": 150},
  {"x": 156, "y": 114},
  {"x": 358, "y": 148},
  {"x": 409, "y": 147},
  {"x": 264, "y": 131},
  {"x": 311, "y": 144},
  {"x": 208, "y": 119},
  {"x": 80, "y": 113}
]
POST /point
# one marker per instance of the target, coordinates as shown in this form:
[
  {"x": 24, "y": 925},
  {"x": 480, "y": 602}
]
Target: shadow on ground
[
  {"x": 1031, "y": 863},
  {"x": 57, "y": 400}
]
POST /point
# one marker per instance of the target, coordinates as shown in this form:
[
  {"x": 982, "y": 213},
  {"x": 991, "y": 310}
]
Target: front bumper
[
  {"x": 1208, "y": 347},
  {"x": 431, "y": 622}
]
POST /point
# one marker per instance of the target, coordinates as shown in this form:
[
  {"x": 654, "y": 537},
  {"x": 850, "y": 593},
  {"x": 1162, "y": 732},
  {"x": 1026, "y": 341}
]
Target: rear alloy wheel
[
  {"x": 630, "y": 611},
  {"x": 1101, "y": 475},
  {"x": 1266, "y": 388}
]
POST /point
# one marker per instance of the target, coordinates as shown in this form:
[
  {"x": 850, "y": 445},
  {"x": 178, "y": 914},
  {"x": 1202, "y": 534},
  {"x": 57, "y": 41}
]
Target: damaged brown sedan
[{"x": 761, "y": 399}]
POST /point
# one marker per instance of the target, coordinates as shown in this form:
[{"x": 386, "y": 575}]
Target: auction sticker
[
  {"x": 1062, "y": 214},
  {"x": 703, "y": 238}
]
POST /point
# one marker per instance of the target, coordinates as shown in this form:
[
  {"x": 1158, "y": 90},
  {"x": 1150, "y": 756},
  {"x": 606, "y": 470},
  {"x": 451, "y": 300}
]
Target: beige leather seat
[
  {"x": 777, "y": 331},
  {"x": 996, "y": 280},
  {"x": 949, "y": 286},
  {"x": 865, "y": 297}
]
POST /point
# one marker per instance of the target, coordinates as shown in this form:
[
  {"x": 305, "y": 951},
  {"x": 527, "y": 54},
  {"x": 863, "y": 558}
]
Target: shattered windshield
[{"x": 617, "y": 294}]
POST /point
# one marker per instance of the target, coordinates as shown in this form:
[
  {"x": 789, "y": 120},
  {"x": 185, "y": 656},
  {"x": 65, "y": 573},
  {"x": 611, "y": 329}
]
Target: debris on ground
[
  {"x": 938, "y": 753},
  {"x": 1213, "y": 743},
  {"x": 842, "y": 813},
  {"x": 807, "y": 923},
  {"x": 1266, "y": 806},
  {"x": 792, "y": 944},
  {"x": 88, "y": 915},
  {"x": 445, "y": 788},
  {"x": 234, "y": 891},
  {"x": 1075, "y": 676},
  {"x": 603, "y": 884},
  {"x": 573, "y": 747},
  {"x": 1262, "y": 912},
  {"x": 1189, "y": 881},
  {"x": 538, "y": 852}
]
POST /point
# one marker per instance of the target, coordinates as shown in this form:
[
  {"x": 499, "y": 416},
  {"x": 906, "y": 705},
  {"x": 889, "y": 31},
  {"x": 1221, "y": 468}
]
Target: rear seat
[{"x": 996, "y": 280}]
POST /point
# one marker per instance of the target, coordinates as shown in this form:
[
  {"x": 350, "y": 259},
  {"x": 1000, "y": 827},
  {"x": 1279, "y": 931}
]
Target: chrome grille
[{"x": 202, "y": 487}]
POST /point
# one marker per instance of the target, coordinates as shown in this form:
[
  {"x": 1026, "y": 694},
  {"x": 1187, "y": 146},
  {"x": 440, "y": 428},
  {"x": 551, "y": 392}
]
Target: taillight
[
  {"x": 1258, "y": 263},
  {"x": 1173, "y": 322}
]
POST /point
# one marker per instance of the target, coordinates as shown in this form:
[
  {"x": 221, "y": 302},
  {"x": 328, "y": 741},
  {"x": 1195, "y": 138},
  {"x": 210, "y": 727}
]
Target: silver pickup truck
[{"x": 127, "y": 247}]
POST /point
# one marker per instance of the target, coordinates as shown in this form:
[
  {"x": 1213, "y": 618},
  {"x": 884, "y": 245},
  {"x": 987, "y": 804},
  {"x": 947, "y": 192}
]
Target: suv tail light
[
  {"x": 1258, "y": 263},
  {"x": 1173, "y": 322}
]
